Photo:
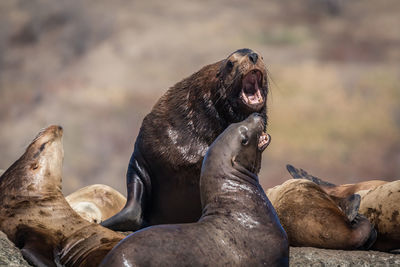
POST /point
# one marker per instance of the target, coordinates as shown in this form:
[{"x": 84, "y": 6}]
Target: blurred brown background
[{"x": 97, "y": 68}]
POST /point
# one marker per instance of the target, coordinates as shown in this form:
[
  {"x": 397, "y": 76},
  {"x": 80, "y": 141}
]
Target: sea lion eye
[
  {"x": 229, "y": 65},
  {"x": 243, "y": 135},
  {"x": 245, "y": 140}
]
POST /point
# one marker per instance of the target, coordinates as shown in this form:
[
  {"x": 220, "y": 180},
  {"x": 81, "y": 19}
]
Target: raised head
[
  {"x": 239, "y": 147},
  {"x": 39, "y": 169},
  {"x": 244, "y": 84}
]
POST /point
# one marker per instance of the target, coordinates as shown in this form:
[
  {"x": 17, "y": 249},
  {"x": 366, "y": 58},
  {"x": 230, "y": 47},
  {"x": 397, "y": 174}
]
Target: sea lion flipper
[
  {"x": 350, "y": 206},
  {"x": 294, "y": 172},
  {"x": 36, "y": 258},
  {"x": 302, "y": 174}
]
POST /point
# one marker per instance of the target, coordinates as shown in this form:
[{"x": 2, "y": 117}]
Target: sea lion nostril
[{"x": 253, "y": 57}]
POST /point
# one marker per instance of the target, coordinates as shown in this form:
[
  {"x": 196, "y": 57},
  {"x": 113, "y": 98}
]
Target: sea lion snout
[{"x": 253, "y": 57}]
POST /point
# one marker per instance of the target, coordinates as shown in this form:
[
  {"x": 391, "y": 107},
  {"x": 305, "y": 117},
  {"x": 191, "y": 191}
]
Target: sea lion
[
  {"x": 1, "y": 172},
  {"x": 380, "y": 203},
  {"x": 381, "y": 206},
  {"x": 238, "y": 226},
  {"x": 164, "y": 169},
  {"x": 311, "y": 218},
  {"x": 35, "y": 215},
  {"x": 96, "y": 203},
  {"x": 343, "y": 190}
]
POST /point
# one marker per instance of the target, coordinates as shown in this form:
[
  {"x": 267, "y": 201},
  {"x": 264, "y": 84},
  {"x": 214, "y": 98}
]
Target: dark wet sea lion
[
  {"x": 343, "y": 190},
  {"x": 380, "y": 203},
  {"x": 164, "y": 170},
  {"x": 311, "y": 218},
  {"x": 96, "y": 203},
  {"x": 238, "y": 226},
  {"x": 35, "y": 215}
]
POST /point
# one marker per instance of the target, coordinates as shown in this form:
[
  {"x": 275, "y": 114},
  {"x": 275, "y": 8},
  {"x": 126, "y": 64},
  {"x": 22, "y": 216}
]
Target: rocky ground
[{"x": 11, "y": 256}]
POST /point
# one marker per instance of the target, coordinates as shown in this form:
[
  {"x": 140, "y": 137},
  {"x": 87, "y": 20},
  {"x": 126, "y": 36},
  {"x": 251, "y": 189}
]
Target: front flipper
[
  {"x": 35, "y": 258},
  {"x": 302, "y": 174},
  {"x": 130, "y": 218},
  {"x": 36, "y": 247}
]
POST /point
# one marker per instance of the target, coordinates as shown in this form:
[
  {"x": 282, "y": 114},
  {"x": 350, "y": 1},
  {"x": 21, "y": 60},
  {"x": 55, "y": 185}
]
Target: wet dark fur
[
  {"x": 238, "y": 227},
  {"x": 174, "y": 138}
]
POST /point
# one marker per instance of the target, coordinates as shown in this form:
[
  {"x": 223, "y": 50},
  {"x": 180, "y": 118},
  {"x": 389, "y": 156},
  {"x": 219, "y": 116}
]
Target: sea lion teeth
[{"x": 265, "y": 140}]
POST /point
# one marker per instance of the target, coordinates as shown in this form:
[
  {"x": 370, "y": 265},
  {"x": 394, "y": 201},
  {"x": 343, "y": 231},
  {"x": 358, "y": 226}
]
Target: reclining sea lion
[
  {"x": 311, "y": 218},
  {"x": 380, "y": 203},
  {"x": 238, "y": 226},
  {"x": 164, "y": 170},
  {"x": 96, "y": 203}
]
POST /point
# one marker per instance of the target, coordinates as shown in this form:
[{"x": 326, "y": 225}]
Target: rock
[
  {"x": 306, "y": 256},
  {"x": 9, "y": 253}
]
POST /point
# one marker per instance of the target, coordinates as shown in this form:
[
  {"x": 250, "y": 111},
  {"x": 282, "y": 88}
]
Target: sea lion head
[
  {"x": 41, "y": 160},
  {"x": 243, "y": 85},
  {"x": 240, "y": 146}
]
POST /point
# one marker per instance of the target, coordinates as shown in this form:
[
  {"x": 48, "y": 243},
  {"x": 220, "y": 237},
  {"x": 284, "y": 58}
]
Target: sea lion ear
[
  {"x": 218, "y": 74},
  {"x": 243, "y": 135}
]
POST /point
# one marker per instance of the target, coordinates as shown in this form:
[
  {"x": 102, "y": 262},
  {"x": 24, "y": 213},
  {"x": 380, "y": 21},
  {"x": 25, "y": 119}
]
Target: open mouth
[
  {"x": 251, "y": 90},
  {"x": 264, "y": 141}
]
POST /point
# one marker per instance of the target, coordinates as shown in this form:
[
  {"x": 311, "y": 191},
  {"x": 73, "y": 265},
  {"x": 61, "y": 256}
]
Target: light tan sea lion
[
  {"x": 381, "y": 206},
  {"x": 311, "y": 218},
  {"x": 380, "y": 203},
  {"x": 97, "y": 202},
  {"x": 35, "y": 215}
]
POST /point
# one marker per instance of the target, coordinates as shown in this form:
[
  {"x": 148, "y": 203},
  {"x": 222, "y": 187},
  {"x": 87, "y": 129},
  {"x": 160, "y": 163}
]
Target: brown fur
[
  {"x": 164, "y": 170},
  {"x": 311, "y": 218},
  {"x": 36, "y": 216},
  {"x": 345, "y": 190},
  {"x": 381, "y": 206},
  {"x": 96, "y": 203}
]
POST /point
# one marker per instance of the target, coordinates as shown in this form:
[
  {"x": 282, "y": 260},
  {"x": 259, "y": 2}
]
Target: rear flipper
[
  {"x": 349, "y": 205},
  {"x": 130, "y": 218},
  {"x": 302, "y": 174}
]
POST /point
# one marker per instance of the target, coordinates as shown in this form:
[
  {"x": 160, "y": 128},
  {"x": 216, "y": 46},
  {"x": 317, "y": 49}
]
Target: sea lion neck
[{"x": 228, "y": 185}]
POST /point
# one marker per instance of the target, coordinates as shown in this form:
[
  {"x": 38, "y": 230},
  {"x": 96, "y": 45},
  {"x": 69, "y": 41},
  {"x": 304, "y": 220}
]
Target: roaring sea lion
[
  {"x": 238, "y": 226},
  {"x": 35, "y": 215},
  {"x": 96, "y": 203},
  {"x": 164, "y": 169},
  {"x": 311, "y": 218},
  {"x": 343, "y": 190},
  {"x": 380, "y": 203}
]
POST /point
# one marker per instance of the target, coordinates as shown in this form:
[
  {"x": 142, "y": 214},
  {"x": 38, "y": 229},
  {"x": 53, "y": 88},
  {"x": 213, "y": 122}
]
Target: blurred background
[{"x": 97, "y": 67}]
